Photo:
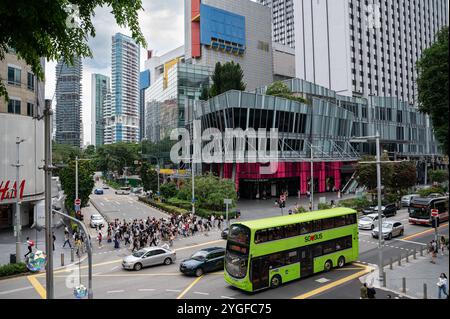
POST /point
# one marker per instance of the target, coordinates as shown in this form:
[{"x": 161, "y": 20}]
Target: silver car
[
  {"x": 406, "y": 200},
  {"x": 123, "y": 191},
  {"x": 97, "y": 220},
  {"x": 148, "y": 257},
  {"x": 389, "y": 229}
]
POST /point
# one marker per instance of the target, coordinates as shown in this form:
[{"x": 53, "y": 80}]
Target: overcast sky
[{"x": 162, "y": 25}]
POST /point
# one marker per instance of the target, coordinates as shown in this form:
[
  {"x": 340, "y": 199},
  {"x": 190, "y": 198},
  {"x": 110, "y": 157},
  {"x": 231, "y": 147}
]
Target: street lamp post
[
  {"x": 312, "y": 179},
  {"x": 18, "y": 223}
]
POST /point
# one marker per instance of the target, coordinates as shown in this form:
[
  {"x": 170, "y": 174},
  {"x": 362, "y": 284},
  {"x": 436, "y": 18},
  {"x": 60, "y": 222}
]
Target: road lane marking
[
  {"x": 322, "y": 280},
  {"x": 424, "y": 232},
  {"x": 15, "y": 290},
  {"x": 410, "y": 241},
  {"x": 350, "y": 268},
  {"x": 114, "y": 268},
  {"x": 201, "y": 293},
  {"x": 189, "y": 287},
  {"x": 114, "y": 291},
  {"x": 226, "y": 297},
  {"x": 173, "y": 290},
  {"x": 198, "y": 245},
  {"x": 146, "y": 289},
  {"x": 314, "y": 292},
  {"x": 37, "y": 286}
]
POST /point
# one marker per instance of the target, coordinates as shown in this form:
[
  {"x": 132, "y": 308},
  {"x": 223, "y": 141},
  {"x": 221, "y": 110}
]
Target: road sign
[
  {"x": 77, "y": 201},
  {"x": 282, "y": 198},
  {"x": 227, "y": 201},
  {"x": 434, "y": 213},
  {"x": 77, "y": 208}
]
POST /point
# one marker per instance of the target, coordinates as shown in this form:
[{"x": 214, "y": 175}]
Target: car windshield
[
  {"x": 199, "y": 255},
  {"x": 96, "y": 217},
  {"x": 367, "y": 219},
  {"x": 387, "y": 225},
  {"x": 139, "y": 253}
]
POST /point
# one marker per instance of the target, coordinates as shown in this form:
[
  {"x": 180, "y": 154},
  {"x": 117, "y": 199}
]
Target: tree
[
  {"x": 168, "y": 190},
  {"x": 48, "y": 29},
  {"x": 438, "y": 176},
  {"x": 366, "y": 174},
  {"x": 205, "y": 94},
  {"x": 280, "y": 89},
  {"x": 228, "y": 76},
  {"x": 432, "y": 85},
  {"x": 85, "y": 182},
  {"x": 114, "y": 157},
  {"x": 404, "y": 176},
  {"x": 89, "y": 151},
  {"x": 63, "y": 153},
  {"x": 149, "y": 178}
]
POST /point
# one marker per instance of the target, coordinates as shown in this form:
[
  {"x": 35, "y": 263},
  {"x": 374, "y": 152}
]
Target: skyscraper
[
  {"x": 99, "y": 88},
  {"x": 68, "y": 102},
  {"x": 123, "y": 123},
  {"x": 362, "y": 49},
  {"x": 282, "y": 21},
  {"x": 144, "y": 83}
]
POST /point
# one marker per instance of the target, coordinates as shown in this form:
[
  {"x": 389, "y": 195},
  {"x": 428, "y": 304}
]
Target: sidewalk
[{"x": 417, "y": 272}]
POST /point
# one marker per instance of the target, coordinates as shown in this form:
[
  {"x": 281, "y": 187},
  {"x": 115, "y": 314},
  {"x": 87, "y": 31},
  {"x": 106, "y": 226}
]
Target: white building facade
[{"x": 282, "y": 21}]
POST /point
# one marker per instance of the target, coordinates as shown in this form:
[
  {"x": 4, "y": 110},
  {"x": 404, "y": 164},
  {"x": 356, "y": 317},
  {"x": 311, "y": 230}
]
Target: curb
[{"x": 28, "y": 273}]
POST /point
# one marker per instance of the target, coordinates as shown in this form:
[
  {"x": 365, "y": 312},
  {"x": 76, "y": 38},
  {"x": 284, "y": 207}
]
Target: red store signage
[{"x": 8, "y": 190}]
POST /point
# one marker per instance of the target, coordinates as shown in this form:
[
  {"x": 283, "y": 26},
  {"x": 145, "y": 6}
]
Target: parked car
[
  {"x": 387, "y": 210},
  {"x": 406, "y": 200},
  {"x": 224, "y": 233},
  {"x": 389, "y": 229},
  {"x": 105, "y": 186},
  {"x": 205, "y": 260},
  {"x": 123, "y": 191},
  {"x": 97, "y": 220},
  {"x": 149, "y": 256},
  {"x": 370, "y": 221},
  {"x": 98, "y": 191},
  {"x": 435, "y": 195}
]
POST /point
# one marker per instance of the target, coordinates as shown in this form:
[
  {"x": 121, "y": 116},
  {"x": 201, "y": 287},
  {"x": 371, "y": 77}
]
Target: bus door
[
  {"x": 306, "y": 262},
  {"x": 260, "y": 273}
]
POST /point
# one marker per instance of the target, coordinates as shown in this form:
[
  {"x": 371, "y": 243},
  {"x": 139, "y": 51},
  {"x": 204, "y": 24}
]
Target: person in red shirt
[{"x": 30, "y": 244}]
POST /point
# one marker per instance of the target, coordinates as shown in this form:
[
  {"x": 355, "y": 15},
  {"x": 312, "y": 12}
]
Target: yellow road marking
[
  {"x": 37, "y": 286},
  {"x": 423, "y": 232},
  {"x": 126, "y": 275},
  {"x": 336, "y": 283},
  {"x": 189, "y": 287},
  {"x": 342, "y": 269}
]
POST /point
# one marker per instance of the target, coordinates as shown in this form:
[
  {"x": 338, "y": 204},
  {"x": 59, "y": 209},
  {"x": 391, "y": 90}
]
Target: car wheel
[
  {"x": 137, "y": 266},
  {"x": 199, "y": 272},
  {"x": 275, "y": 281},
  {"x": 167, "y": 261},
  {"x": 341, "y": 262},
  {"x": 328, "y": 265},
  {"x": 389, "y": 236},
  {"x": 372, "y": 227},
  {"x": 401, "y": 232}
]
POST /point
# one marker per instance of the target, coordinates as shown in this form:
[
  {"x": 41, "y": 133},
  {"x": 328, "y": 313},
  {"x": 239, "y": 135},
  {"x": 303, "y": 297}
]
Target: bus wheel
[
  {"x": 328, "y": 265},
  {"x": 275, "y": 282},
  {"x": 341, "y": 262}
]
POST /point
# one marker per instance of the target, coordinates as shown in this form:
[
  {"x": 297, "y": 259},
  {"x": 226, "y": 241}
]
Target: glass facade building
[
  {"x": 99, "y": 88},
  {"x": 166, "y": 98}
]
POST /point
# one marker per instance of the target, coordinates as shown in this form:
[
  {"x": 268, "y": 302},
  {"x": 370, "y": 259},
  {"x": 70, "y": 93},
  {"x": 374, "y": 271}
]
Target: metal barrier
[
  {"x": 425, "y": 291},
  {"x": 404, "y": 285},
  {"x": 400, "y": 260},
  {"x": 62, "y": 259},
  {"x": 390, "y": 264},
  {"x": 72, "y": 257}
]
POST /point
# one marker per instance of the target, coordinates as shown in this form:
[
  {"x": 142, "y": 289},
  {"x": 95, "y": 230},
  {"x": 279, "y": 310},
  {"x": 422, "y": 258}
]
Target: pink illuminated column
[
  {"x": 304, "y": 174},
  {"x": 322, "y": 178},
  {"x": 337, "y": 174}
]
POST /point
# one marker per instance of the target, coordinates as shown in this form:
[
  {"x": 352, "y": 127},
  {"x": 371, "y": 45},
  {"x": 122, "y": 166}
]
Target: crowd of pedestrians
[{"x": 141, "y": 233}]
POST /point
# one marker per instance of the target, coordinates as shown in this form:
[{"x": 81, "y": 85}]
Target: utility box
[{"x": 12, "y": 258}]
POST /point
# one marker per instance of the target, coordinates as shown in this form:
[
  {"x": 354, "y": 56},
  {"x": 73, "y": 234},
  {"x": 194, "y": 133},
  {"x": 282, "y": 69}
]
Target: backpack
[{"x": 31, "y": 243}]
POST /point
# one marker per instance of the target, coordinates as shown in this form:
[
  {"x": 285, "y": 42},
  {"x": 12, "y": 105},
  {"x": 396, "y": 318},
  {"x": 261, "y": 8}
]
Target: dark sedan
[
  {"x": 387, "y": 210},
  {"x": 224, "y": 233},
  {"x": 203, "y": 261}
]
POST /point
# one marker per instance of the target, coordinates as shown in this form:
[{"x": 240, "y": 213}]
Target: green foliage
[
  {"x": 168, "y": 190},
  {"x": 63, "y": 153},
  {"x": 210, "y": 191},
  {"x": 114, "y": 157},
  {"x": 301, "y": 209},
  {"x": 165, "y": 207},
  {"x": 47, "y": 29},
  {"x": 431, "y": 190},
  {"x": 228, "y": 76},
  {"x": 438, "y": 176},
  {"x": 357, "y": 204},
  {"x": 112, "y": 183},
  {"x": 323, "y": 206},
  {"x": 85, "y": 182},
  {"x": 280, "y": 89},
  {"x": 432, "y": 85},
  {"x": 404, "y": 176},
  {"x": 89, "y": 152},
  {"x": 12, "y": 269},
  {"x": 205, "y": 94},
  {"x": 149, "y": 178},
  {"x": 366, "y": 174},
  {"x": 185, "y": 204}
]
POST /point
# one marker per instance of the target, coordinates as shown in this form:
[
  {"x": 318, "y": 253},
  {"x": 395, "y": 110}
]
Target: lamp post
[{"x": 18, "y": 223}]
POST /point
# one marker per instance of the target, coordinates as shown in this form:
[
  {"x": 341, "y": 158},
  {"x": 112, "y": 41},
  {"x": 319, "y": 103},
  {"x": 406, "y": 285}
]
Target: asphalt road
[{"x": 111, "y": 281}]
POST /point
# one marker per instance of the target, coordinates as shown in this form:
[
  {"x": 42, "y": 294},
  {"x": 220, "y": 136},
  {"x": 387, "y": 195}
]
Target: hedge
[
  {"x": 12, "y": 269},
  {"x": 323, "y": 206},
  {"x": 356, "y": 203},
  {"x": 431, "y": 190}
]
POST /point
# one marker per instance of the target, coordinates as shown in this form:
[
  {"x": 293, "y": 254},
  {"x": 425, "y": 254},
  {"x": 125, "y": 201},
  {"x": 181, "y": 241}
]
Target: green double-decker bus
[{"x": 267, "y": 252}]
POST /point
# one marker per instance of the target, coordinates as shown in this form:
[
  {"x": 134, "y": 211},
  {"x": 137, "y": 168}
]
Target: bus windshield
[
  {"x": 239, "y": 234},
  {"x": 419, "y": 212},
  {"x": 236, "y": 260}
]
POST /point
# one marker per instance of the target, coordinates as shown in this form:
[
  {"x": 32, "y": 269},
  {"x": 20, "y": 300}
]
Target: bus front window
[
  {"x": 419, "y": 212},
  {"x": 239, "y": 234},
  {"x": 236, "y": 261}
]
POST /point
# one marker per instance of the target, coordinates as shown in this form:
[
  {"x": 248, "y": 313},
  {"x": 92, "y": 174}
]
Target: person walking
[
  {"x": 442, "y": 285},
  {"x": 30, "y": 245},
  {"x": 442, "y": 243},
  {"x": 433, "y": 251},
  {"x": 100, "y": 237},
  {"x": 66, "y": 240},
  {"x": 371, "y": 292},
  {"x": 78, "y": 246},
  {"x": 363, "y": 291}
]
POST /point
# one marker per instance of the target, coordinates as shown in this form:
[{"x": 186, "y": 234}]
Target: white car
[
  {"x": 123, "y": 191},
  {"x": 370, "y": 221},
  {"x": 97, "y": 220}
]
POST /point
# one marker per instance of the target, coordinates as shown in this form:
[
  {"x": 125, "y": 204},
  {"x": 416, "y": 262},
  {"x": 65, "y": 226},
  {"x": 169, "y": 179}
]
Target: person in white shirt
[{"x": 442, "y": 285}]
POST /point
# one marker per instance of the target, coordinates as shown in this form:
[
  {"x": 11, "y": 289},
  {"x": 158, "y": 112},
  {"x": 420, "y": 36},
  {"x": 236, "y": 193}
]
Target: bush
[
  {"x": 168, "y": 190},
  {"x": 112, "y": 183},
  {"x": 324, "y": 206},
  {"x": 301, "y": 209},
  {"x": 165, "y": 207},
  {"x": 357, "y": 204},
  {"x": 180, "y": 203},
  {"x": 12, "y": 269},
  {"x": 428, "y": 191}
]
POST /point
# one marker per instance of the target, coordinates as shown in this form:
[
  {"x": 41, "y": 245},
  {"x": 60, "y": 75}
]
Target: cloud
[{"x": 162, "y": 24}]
